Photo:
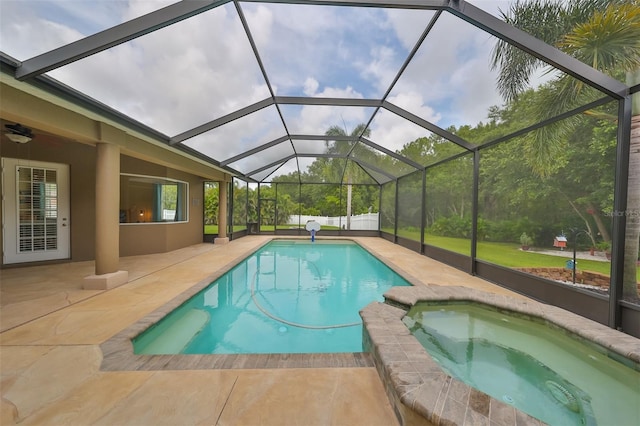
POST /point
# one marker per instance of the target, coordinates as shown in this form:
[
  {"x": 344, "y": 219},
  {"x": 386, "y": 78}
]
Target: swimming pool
[{"x": 288, "y": 297}]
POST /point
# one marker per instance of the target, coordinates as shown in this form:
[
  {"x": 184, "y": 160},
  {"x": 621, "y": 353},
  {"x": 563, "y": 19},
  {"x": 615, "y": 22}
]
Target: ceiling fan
[
  {"x": 18, "y": 133},
  {"x": 21, "y": 135}
]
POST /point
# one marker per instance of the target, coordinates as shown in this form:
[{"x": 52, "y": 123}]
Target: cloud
[
  {"x": 451, "y": 71},
  {"x": 136, "y": 8},
  {"x": 408, "y": 25},
  {"x": 470, "y": 106},
  {"x": 412, "y": 101},
  {"x": 310, "y": 86},
  {"x": 266, "y": 158},
  {"x": 178, "y": 77},
  {"x": 382, "y": 68},
  {"x": 291, "y": 44},
  {"x": 392, "y": 131},
  {"x": 29, "y": 28},
  {"x": 331, "y": 44},
  {"x": 23, "y": 34},
  {"x": 261, "y": 18},
  {"x": 492, "y": 6},
  {"x": 314, "y": 119},
  {"x": 318, "y": 119},
  {"x": 238, "y": 136}
]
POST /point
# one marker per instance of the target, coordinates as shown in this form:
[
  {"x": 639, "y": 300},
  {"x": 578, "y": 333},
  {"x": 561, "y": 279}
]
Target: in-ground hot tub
[{"x": 425, "y": 391}]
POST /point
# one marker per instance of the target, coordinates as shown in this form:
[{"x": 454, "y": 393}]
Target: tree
[
  {"x": 449, "y": 184},
  {"x": 211, "y": 203},
  {"x": 239, "y": 216},
  {"x": 604, "y": 34},
  {"x": 343, "y": 148}
]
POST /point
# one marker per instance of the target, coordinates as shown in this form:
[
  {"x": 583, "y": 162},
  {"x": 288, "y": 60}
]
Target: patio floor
[{"x": 50, "y": 356}]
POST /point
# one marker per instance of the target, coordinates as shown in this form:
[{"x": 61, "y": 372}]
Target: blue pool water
[
  {"x": 541, "y": 370},
  {"x": 288, "y": 297}
]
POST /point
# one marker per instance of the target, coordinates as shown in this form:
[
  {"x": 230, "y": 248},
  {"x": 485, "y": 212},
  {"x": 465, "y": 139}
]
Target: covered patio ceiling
[{"x": 265, "y": 88}]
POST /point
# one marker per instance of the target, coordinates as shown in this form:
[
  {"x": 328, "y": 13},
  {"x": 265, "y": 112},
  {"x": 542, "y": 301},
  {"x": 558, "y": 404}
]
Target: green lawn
[
  {"x": 504, "y": 254},
  {"x": 509, "y": 254},
  {"x": 213, "y": 229}
]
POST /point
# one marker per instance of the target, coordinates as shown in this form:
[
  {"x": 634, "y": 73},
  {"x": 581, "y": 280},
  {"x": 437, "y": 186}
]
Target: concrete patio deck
[{"x": 50, "y": 357}]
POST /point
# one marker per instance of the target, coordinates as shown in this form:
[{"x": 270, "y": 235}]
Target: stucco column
[
  {"x": 107, "y": 232},
  {"x": 223, "y": 214}
]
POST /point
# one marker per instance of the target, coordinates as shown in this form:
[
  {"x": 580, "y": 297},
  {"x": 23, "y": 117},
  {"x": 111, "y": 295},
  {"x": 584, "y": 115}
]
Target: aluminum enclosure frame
[
  {"x": 176, "y": 12},
  {"x": 32, "y": 71}
]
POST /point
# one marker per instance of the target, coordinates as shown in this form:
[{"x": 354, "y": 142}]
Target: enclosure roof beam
[
  {"x": 402, "y": 69},
  {"x": 255, "y": 150},
  {"x": 206, "y": 158},
  {"x": 325, "y": 138},
  {"x": 347, "y": 102},
  {"x": 390, "y": 153},
  {"x": 268, "y": 166},
  {"x": 446, "y": 160},
  {"x": 591, "y": 105},
  {"x": 344, "y": 156},
  {"x": 390, "y": 4},
  {"x": 411, "y": 55},
  {"x": 254, "y": 47},
  {"x": 366, "y": 166},
  {"x": 541, "y": 50},
  {"x": 246, "y": 179},
  {"x": 222, "y": 120},
  {"x": 114, "y": 36},
  {"x": 370, "y": 175},
  {"x": 428, "y": 125},
  {"x": 61, "y": 90}
]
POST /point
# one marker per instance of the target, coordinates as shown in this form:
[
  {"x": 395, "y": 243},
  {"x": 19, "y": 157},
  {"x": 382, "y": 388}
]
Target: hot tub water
[{"x": 540, "y": 370}]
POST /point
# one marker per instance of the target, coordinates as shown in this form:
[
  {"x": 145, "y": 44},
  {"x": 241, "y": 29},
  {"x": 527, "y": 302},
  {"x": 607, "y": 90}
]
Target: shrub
[
  {"x": 453, "y": 226},
  {"x": 525, "y": 240}
]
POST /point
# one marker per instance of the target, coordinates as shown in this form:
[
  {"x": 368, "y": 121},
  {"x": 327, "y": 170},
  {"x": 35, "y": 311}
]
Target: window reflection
[{"x": 149, "y": 199}]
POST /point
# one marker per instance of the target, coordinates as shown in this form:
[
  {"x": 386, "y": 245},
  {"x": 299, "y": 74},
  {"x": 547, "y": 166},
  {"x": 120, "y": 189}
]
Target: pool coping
[
  {"x": 421, "y": 393},
  {"x": 118, "y": 353}
]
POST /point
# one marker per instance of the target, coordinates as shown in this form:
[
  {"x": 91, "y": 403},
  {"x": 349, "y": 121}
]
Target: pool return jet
[{"x": 312, "y": 227}]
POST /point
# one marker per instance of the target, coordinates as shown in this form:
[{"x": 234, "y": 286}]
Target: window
[{"x": 150, "y": 199}]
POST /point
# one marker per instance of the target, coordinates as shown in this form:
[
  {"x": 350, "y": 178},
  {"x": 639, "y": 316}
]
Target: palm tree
[
  {"x": 604, "y": 34},
  {"x": 341, "y": 148}
]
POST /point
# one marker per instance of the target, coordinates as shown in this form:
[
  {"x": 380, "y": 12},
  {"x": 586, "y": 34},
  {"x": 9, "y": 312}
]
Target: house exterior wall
[
  {"x": 82, "y": 181},
  {"x": 145, "y": 238},
  {"x": 135, "y": 239},
  {"x": 67, "y": 132}
]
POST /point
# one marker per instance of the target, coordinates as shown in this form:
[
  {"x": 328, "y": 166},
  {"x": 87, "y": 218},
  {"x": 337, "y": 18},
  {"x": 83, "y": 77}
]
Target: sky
[{"x": 203, "y": 68}]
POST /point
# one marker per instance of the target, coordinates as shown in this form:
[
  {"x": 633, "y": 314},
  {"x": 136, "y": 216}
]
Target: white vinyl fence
[{"x": 361, "y": 222}]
